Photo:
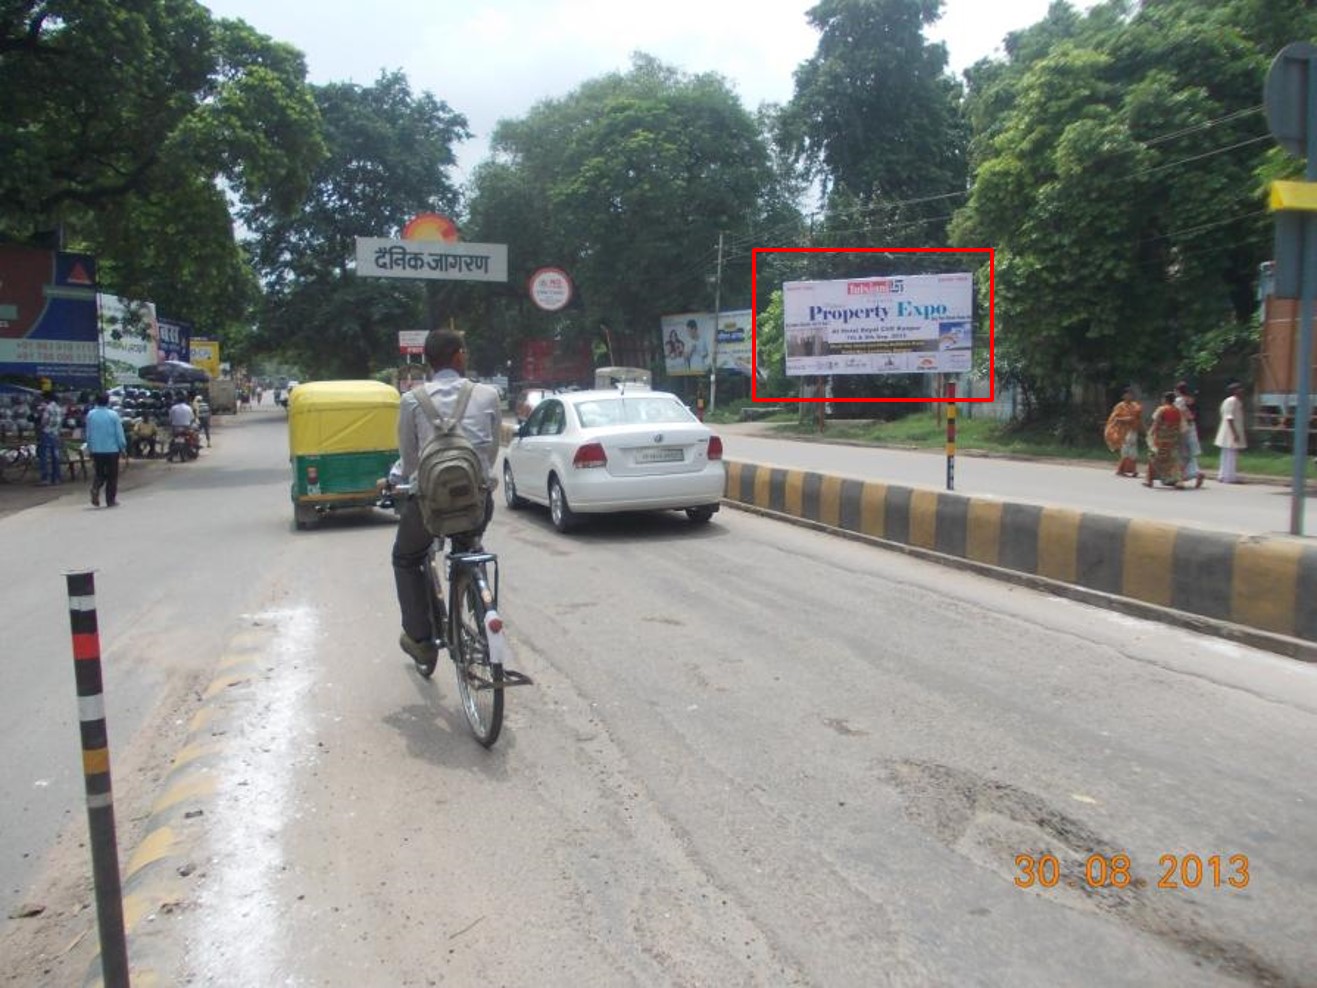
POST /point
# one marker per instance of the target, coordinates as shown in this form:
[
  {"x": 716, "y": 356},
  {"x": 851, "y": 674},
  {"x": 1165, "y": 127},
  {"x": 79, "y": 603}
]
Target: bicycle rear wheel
[
  {"x": 13, "y": 464},
  {"x": 479, "y": 681}
]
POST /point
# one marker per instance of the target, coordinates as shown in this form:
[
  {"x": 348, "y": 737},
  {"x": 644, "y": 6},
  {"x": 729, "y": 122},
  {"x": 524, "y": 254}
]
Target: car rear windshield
[{"x": 638, "y": 410}]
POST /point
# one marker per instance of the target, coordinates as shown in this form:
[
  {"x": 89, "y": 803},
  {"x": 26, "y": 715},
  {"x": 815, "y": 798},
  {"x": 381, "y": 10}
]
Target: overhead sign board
[
  {"x": 383, "y": 257},
  {"x": 907, "y": 324}
]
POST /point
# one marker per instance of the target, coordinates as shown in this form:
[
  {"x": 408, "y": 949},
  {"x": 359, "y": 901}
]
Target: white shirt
[
  {"x": 1232, "y": 410},
  {"x": 482, "y": 422},
  {"x": 180, "y": 415}
]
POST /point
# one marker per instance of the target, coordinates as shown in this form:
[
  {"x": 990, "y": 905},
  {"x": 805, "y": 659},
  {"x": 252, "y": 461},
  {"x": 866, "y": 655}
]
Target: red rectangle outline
[{"x": 992, "y": 313}]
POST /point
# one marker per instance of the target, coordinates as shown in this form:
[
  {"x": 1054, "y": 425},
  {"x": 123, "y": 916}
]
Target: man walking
[
  {"x": 105, "y": 441},
  {"x": 1230, "y": 437}
]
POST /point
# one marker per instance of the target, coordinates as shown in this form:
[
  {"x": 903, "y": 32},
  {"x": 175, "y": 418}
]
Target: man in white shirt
[
  {"x": 1230, "y": 435},
  {"x": 445, "y": 352},
  {"x": 181, "y": 416}
]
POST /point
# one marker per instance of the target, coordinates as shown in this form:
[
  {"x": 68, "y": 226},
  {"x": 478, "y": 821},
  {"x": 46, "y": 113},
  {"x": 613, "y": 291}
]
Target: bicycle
[
  {"x": 473, "y": 630},
  {"x": 16, "y": 460}
]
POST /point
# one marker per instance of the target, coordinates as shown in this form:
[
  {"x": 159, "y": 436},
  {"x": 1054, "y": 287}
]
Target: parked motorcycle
[{"x": 184, "y": 444}]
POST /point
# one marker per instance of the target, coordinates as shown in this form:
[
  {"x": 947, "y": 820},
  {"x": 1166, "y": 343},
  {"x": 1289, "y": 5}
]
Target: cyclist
[{"x": 445, "y": 352}]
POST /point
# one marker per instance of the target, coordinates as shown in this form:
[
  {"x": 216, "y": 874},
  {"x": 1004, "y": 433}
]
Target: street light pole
[{"x": 717, "y": 317}]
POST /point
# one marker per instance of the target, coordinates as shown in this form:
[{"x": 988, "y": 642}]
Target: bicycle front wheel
[
  {"x": 479, "y": 681},
  {"x": 13, "y": 464}
]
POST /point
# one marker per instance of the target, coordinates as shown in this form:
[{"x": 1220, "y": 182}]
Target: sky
[{"x": 495, "y": 59}]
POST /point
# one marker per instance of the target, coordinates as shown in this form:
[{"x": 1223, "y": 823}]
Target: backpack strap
[{"x": 432, "y": 411}]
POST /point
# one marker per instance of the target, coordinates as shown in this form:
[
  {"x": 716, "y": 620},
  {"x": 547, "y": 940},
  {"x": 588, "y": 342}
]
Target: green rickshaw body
[{"x": 342, "y": 438}]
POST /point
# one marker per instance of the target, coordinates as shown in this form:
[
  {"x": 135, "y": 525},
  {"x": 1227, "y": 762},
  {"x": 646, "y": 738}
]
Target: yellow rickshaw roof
[
  {"x": 342, "y": 417},
  {"x": 342, "y": 394}
]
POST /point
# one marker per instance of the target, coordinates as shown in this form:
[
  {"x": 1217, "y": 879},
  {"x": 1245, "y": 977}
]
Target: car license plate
[{"x": 659, "y": 454}]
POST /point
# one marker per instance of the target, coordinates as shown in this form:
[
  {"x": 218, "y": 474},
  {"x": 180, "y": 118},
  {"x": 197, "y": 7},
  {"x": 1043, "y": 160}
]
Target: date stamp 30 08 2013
[{"x": 1176, "y": 871}]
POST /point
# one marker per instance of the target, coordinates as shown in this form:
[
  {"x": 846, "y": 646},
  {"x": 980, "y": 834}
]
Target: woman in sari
[
  {"x": 1122, "y": 433},
  {"x": 1190, "y": 447},
  {"x": 1164, "y": 442}
]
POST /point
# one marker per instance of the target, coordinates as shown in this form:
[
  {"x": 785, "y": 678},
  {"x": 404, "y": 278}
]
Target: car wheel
[
  {"x": 559, "y": 511},
  {"x": 700, "y": 515},
  {"x": 510, "y": 495}
]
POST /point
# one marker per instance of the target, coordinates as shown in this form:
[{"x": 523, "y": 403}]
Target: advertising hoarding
[
  {"x": 48, "y": 316},
  {"x": 129, "y": 338},
  {"x": 206, "y": 355},
  {"x": 907, "y": 324},
  {"x": 175, "y": 339},
  {"x": 689, "y": 342}
]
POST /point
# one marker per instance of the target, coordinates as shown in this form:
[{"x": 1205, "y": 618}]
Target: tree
[
  {"x": 128, "y": 125},
  {"x": 876, "y": 118},
  {"x": 626, "y": 183},
  {"x": 1116, "y": 172},
  {"x": 389, "y": 152}
]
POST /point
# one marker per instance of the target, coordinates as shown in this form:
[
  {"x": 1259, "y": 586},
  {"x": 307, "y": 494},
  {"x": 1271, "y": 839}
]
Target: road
[
  {"x": 1250, "y": 508},
  {"x": 754, "y": 754}
]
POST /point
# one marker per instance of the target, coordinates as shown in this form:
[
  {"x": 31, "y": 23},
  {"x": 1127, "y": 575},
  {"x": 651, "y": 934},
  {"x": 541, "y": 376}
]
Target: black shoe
[
  {"x": 95, "y": 498},
  {"x": 424, "y": 654}
]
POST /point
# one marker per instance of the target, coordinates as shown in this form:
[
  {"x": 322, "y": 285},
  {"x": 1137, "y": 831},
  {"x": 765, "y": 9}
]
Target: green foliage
[
  {"x": 128, "y": 125},
  {"x": 876, "y": 118},
  {"x": 1117, "y": 169},
  {"x": 388, "y": 155},
  {"x": 626, "y": 184}
]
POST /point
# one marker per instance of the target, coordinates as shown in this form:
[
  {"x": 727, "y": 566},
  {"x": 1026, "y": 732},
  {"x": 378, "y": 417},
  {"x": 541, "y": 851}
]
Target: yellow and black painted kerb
[
  {"x": 1257, "y": 582},
  {"x": 96, "y": 777}
]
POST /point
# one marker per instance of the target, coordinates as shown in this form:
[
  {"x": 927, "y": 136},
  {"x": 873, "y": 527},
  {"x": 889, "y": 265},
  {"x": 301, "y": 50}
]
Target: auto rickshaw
[{"x": 342, "y": 438}]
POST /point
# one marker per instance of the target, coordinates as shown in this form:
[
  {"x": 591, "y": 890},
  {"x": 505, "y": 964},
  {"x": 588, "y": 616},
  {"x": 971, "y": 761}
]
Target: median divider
[{"x": 1255, "y": 589}]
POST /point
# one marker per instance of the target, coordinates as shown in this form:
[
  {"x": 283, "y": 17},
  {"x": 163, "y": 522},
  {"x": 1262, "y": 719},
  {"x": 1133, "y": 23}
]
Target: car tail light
[
  {"x": 715, "y": 448},
  {"x": 590, "y": 455},
  {"x": 313, "y": 475}
]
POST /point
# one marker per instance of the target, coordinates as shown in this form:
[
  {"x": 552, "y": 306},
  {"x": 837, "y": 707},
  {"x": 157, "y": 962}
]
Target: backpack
[{"x": 450, "y": 479}]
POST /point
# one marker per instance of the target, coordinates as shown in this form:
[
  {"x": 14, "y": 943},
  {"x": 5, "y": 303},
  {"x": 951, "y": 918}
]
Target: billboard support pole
[{"x": 717, "y": 316}]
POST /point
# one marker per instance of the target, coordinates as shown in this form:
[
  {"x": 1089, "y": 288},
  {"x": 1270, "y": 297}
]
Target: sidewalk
[{"x": 1259, "y": 506}]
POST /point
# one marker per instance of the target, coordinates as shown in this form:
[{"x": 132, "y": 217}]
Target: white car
[{"x": 589, "y": 452}]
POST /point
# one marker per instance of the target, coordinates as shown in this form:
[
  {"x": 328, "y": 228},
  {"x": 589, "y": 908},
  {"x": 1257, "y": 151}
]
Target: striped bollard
[
  {"x": 96, "y": 776},
  {"x": 951, "y": 435}
]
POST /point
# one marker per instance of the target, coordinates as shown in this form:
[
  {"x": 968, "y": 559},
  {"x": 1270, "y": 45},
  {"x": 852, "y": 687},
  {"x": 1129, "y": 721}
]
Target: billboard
[
  {"x": 129, "y": 337},
  {"x": 175, "y": 339},
  {"x": 48, "y": 316},
  {"x": 691, "y": 341},
  {"x": 206, "y": 355},
  {"x": 909, "y": 324}
]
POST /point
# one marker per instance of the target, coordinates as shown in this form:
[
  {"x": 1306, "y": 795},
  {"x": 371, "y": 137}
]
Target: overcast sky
[{"x": 494, "y": 59}]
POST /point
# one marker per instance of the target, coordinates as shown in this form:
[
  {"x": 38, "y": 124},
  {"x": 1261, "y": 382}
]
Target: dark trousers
[
  {"x": 107, "y": 475},
  {"x": 410, "y": 544}
]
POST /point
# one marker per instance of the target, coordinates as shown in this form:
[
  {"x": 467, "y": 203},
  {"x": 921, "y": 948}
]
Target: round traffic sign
[{"x": 550, "y": 289}]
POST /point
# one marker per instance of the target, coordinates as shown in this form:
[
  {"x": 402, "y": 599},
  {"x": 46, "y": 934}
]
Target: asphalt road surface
[{"x": 754, "y": 754}]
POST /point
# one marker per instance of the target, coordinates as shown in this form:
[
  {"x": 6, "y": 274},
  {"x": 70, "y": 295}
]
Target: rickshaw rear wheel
[{"x": 304, "y": 517}]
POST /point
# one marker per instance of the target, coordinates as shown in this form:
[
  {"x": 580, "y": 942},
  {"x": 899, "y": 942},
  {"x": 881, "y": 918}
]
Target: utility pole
[{"x": 717, "y": 317}]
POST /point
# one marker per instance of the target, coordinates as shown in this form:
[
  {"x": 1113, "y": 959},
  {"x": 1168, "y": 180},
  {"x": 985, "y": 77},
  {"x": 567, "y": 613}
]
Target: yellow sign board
[{"x": 206, "y": 355}]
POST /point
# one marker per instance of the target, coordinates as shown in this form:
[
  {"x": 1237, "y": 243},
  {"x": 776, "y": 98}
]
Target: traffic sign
[{"x": 1285, "y": 96}]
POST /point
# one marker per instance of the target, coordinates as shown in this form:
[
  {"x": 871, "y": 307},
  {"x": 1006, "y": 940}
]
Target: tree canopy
[{"x": 134, "y": 129}]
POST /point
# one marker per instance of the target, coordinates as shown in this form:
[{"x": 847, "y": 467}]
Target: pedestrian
[
  {"x": 1164, "y": 444},
  {"x": 202, "y": 411},
  {"x": 105, "y": 442},
  {"x": 1230, "y": 435},
  {"x": 1190, "y": 447},
  {"x": 1122, "y": 433},
  {"x": 50, "y": 417}
]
